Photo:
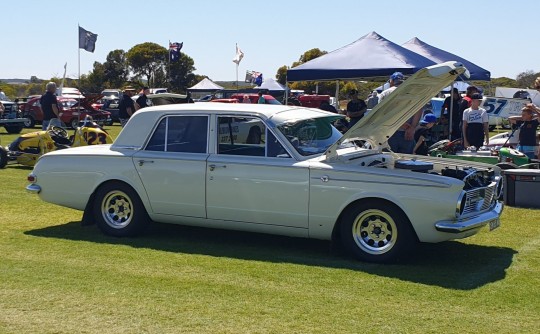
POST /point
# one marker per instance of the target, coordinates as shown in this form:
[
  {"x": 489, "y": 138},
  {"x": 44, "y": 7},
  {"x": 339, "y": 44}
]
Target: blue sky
[{"x": 39, "y": 37}]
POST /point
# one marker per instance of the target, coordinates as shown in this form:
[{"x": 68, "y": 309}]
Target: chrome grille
[{"x": 479, "y": 199}]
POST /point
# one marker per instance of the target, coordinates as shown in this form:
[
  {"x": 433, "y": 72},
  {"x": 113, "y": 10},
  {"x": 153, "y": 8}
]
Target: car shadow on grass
[{"x": 451, "y": 264}]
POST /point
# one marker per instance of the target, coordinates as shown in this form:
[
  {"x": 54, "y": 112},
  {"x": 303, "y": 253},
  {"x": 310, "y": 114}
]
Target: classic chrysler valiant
[{"x": 281, "y": 170}]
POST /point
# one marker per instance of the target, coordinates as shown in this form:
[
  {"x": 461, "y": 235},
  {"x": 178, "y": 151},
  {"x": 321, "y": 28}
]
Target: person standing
[
  {"x": 403, "y": 140},
  {"x": 246, "y": 99},
  {"x": 126, "y": 107},
  {"x": 49, "y": 106},
  {"x": 142, "y": 100},
  {"x": 475, "y": 124},
  {"x": 422, "y": 135},
  {"x": 372, "y": 100},
  {"x": 455, "y": 113},
  {"x": 356, "y": 108},
  {"x": 261, "y": 99},
  {"x": 468, "y": 95},
  {"x": 528, "y": 124}
]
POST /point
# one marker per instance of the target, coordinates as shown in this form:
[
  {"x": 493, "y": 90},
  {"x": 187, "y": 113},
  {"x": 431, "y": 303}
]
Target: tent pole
[
  {"x": 450, "y": 112},
  {"x": 286, "y": 92},
  {"x": 337, "y": 95}
]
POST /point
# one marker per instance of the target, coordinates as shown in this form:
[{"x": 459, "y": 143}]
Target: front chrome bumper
[{"x": 472, "y": 223}]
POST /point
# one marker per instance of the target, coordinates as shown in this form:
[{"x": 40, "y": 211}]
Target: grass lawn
[{"x": 57, "y": 276}]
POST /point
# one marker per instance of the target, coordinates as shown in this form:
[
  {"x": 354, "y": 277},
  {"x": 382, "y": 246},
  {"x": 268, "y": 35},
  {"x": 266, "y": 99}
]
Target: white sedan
[{"x": 281, "y": 170}]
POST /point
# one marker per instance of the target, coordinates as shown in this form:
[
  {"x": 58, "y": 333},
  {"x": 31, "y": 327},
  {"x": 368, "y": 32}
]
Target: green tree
[
  {"x": 310, "y": 55},
  {"x": 526, "y": 79},
  {"x": 146, "y": 59},
  {"x": 181, "y": 73},
  {"x": 281, "y": 75},
  {"x": 115, "y": 69},
  {"x": 324, "y": 87},
  {"x": 93, "y": 81}
]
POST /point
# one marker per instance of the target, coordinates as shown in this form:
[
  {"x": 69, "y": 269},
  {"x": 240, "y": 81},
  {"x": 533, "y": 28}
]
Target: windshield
[
  {"x": 311, "y": 136},
  {"x": 66, "y": 104}
]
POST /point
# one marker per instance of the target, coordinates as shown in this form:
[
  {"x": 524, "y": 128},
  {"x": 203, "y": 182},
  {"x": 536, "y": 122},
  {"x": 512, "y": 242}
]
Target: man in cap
[
  {"x": 468, "y": 95},
  {"x": 475, "y": 123},
  {"x": 126, "y": 107},
  {"x": 49, "y": 105},
  {"x": 422, "y": 135},
  {"x": 403, "y": 140},
  {"x": 356, "y": 108}
]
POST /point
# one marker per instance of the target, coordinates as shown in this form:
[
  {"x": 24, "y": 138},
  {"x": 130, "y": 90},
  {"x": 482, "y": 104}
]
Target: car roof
[{"x": 144, "y": 120}]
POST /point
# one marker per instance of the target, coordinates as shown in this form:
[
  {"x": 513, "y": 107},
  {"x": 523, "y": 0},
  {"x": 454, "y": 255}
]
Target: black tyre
[
  {"x": 13, "y": 128},
  {"x": 376, "y": 231},
  {"x": 119, "y": 211},
  {"x": 3, "y": 157},
  {"x": 74, "y": 123},
  {"x": 30, "y": 122}
]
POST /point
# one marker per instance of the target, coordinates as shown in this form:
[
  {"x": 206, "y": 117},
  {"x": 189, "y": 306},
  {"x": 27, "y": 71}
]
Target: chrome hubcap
[
  {"x": 374, "y": 231},
  {"x": 117, "y": 209}
]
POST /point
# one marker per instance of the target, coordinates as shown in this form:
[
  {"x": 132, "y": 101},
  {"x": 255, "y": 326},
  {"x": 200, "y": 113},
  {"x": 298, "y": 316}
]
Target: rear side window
[{"x": 187, "y": 134}]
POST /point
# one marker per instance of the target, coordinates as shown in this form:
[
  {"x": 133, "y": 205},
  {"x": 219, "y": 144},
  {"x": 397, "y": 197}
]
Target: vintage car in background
[
  {"x": 73, "y": 111},
  {"x": 281, "y": 170},
  {"x": 11, "y": 119},
  {"x": 254, "y": 98}
]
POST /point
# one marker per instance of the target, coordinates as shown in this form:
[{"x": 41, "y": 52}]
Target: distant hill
[{"x": 15, "y": 81}]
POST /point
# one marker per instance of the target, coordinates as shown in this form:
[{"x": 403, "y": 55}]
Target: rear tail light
[{"x": 31, "y": 178}]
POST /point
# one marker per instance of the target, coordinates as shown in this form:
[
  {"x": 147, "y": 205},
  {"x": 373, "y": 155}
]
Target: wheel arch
[
  {"x": 336, "y": 230},
  {"x": 88, "y": 218}
]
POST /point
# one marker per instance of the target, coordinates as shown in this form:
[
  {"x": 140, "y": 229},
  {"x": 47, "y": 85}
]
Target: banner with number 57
[{"x": 502, "y": 106}]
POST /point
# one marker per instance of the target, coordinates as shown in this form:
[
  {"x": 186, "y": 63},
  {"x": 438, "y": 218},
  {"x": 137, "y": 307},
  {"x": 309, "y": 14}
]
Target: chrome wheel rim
[
  {"x": 374, "y": 231},
  {"x": 117, "y": 209}
]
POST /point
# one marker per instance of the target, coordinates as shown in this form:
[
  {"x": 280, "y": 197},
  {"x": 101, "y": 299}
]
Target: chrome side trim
[
  {"x": 33, "y": 188},
  {"x": 476, "y": 222},
  {"x": 380, "y": 182}
]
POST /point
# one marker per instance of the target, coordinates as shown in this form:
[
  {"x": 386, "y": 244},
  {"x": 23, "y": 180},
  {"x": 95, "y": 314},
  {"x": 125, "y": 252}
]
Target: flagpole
[
  {"x": 169, "y": 69},
  {"x": 79, "y": 54},
  {"x": 237, "y": 77}
]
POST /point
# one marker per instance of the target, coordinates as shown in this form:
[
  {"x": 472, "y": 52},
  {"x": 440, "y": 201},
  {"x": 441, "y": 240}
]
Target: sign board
[{"x": 503, "y": 107}]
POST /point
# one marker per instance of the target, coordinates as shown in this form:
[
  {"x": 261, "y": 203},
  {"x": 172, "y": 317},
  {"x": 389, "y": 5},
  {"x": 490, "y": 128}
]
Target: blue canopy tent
[
  {"x": 441, "y": 56},
  {"x": 371, "y": 56}
]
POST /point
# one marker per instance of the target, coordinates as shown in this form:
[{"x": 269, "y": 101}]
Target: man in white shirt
[{"x": 475, "y": 124}]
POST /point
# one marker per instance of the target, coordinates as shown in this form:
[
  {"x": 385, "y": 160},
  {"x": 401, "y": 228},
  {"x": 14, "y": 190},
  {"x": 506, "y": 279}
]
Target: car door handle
[
  {"x": 142, "y": 162},
  {"x": 212, "y": 167}
]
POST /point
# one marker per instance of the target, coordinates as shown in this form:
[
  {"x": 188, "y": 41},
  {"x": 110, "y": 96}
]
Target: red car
[
  {"x": 254, "y": 98},
  {"x": 70, "y": 109}
]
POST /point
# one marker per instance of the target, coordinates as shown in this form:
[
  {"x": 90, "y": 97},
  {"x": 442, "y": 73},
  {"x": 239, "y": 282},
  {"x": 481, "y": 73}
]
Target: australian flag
[
  {"x": 259, "y": 79},
  {"x": 174, "y": 51}
]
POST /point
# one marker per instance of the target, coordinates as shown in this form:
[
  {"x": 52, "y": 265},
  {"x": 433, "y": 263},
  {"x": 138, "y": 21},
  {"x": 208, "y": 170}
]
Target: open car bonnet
[
  {"x": 87, "y": 101},
  {"x": 167, "y": 98},
  {"x": 411, "y": 96}
]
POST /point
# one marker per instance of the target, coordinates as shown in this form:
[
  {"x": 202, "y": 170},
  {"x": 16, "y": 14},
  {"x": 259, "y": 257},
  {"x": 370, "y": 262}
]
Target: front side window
[{"x": 187, "y": 134}]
